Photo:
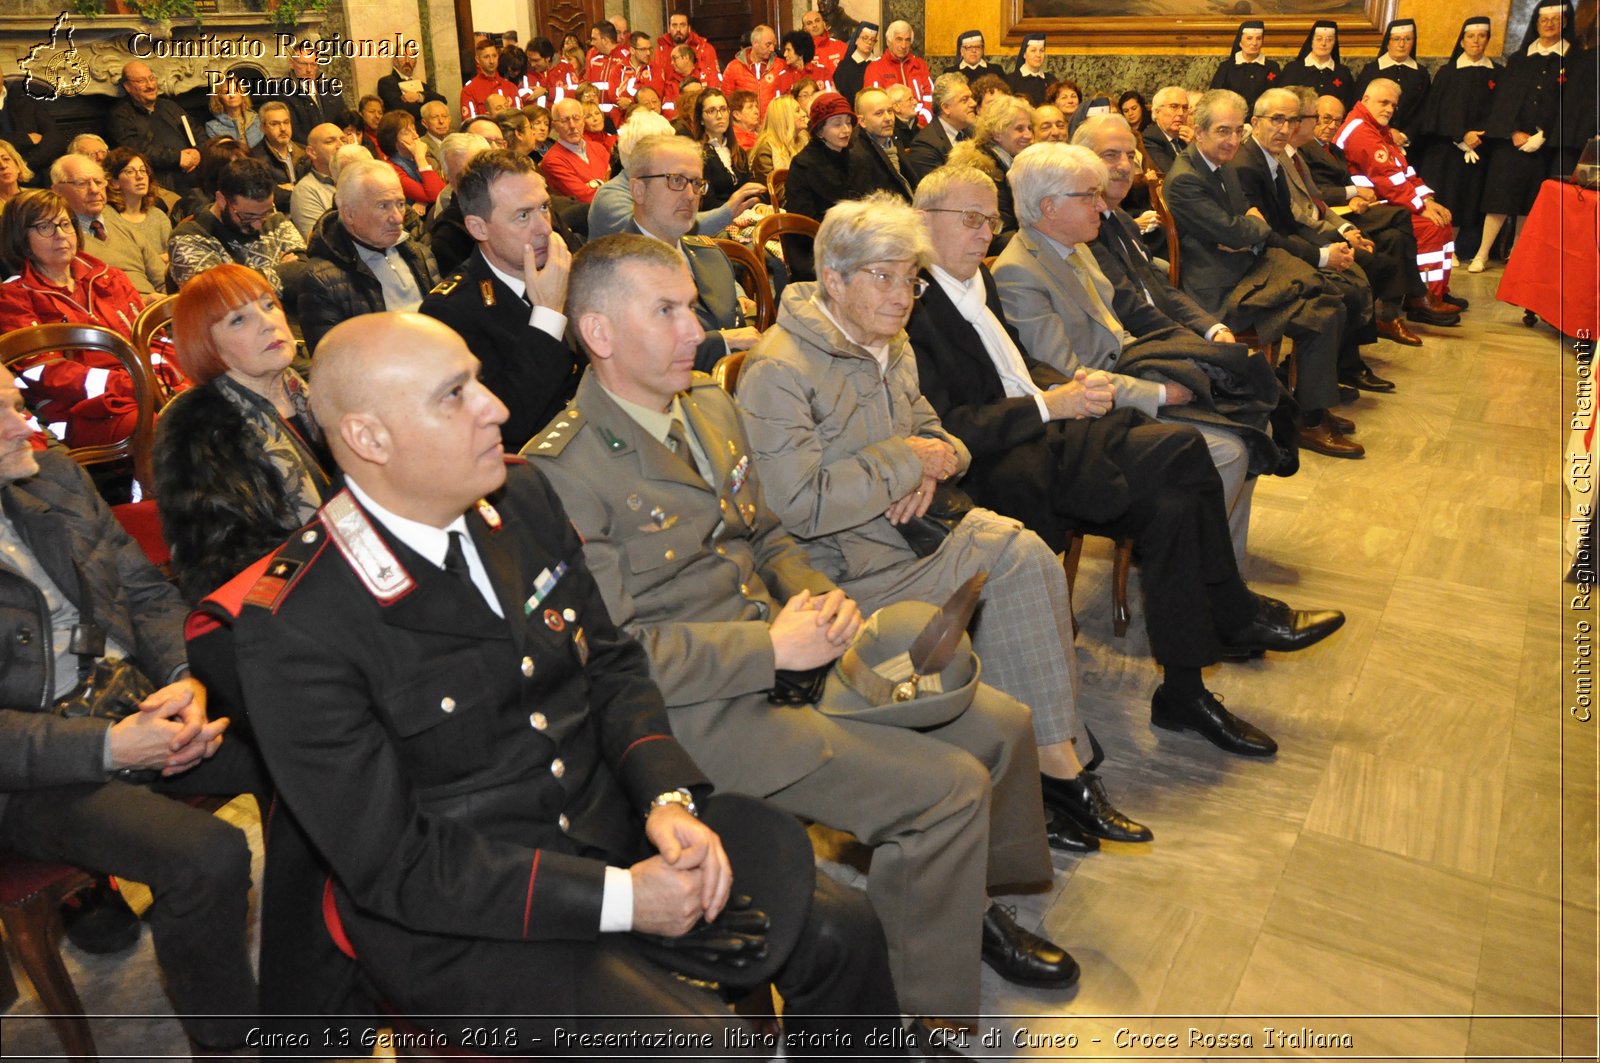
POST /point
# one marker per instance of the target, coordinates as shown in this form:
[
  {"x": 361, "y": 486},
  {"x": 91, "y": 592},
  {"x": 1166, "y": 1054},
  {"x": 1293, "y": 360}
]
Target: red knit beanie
[{"x": 825, "y": 107}]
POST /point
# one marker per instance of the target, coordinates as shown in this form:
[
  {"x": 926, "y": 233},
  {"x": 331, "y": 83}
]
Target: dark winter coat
[{"x": 340, "y": 285}]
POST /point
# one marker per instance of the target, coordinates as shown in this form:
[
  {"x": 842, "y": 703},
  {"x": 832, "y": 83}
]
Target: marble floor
[{"x": 1414, "y": 872}]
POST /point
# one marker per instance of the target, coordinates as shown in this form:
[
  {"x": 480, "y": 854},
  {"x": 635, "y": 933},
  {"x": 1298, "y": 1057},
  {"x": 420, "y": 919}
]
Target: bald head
[{"x": 399, "y": 400}]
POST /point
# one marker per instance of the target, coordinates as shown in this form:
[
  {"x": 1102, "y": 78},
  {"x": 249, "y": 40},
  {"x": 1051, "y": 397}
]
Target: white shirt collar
[
  {"x": 1240, "y": 60},
  {"x": 425, "y": 539},
  {"x": 1462, "y": 62},
  {"x": 950, "y": 131},
  {"x": 581, "y": 151},
  {"x": 1327, "y": 64},
  {"x": 1384, "y": 62},
  {"x": 1540, "y": 48},
  {"x": 516, "y": 284}
]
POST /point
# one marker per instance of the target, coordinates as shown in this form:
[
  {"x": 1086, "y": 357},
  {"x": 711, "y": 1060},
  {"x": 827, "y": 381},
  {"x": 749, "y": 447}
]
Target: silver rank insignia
[{"x": 365, "y": 549}]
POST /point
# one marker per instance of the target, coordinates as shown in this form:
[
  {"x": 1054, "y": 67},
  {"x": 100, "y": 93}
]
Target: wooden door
[
  {"x": 725, "y": 22},
  {"x": 556, "y": 18}
]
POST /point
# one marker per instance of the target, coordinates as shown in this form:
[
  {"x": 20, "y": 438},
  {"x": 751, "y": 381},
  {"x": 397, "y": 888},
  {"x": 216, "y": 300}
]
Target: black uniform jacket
[
  {"x": 461, "y": 777},
  {"x": 533, "y": 373}
]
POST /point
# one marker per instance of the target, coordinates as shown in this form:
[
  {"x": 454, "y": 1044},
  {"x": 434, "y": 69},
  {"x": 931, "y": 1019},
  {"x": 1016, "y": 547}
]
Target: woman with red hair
[{"x": 239, "y": 460}]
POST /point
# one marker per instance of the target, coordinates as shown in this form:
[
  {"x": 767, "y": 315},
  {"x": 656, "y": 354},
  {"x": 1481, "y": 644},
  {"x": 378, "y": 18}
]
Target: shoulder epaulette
[
  {"x": 353, "y": 533},
  {"x": 448, "y": 285},
  {"x": 557, "y": 434},
  {"x": 268, "y": 582}
]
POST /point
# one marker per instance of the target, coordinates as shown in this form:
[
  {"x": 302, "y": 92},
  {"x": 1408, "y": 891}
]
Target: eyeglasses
[
  {"x": 151, "y": 80},
  {"x": 972, "y": 219},
  {"x": 1093, "y": 193},
  {"x": 86, "y": 182},
  {"x": 1310, "y": 118},
  {"x": 50, "y": 228},
  {"x": 678, "y": 182},
  {"x": 134, "y": 171},
  {"x": 887, "y": 282},
  {"x": 248, "y": 219},
  {"x": 1174, "y": 107},
  {"x": 1278, "y": 121}
]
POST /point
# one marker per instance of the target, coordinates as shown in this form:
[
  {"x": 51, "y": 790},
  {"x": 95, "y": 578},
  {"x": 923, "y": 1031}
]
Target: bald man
[
  {"x": 156, "y": 127},
  {"x": 525, "y": 811},
  {"x": 313, "y": 193}
]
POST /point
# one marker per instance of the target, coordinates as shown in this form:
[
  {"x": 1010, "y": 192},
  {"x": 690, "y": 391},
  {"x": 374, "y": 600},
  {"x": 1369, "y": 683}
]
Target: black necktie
[
  {"x": 455, "y": 561},
  {"x": 1281, "y": 182}
]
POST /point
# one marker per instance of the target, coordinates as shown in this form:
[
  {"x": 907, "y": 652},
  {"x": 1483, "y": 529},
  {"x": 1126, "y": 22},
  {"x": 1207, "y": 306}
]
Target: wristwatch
[{"x": 680, "y": 796}]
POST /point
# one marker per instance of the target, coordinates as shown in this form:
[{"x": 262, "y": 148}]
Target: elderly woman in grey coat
[{"x": 850, "y": 451}]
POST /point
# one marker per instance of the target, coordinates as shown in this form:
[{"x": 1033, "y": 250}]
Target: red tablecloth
[{"x": 1555, "y": 266}]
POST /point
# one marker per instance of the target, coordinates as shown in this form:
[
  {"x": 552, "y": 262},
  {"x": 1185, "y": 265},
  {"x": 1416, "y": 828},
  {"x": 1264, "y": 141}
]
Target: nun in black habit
[
  {"x": 1030, "y": 79},
  {"x": 1526, "y": 121},
  {"x": 1397, "y": 61},
  {"x": 851, "y": 72},
  {"x": 1318, "y": 65},
  {"x": 970, "y": 47},
  {"x": 1246, "y": 69},
  {"x": 1450, "y": 130}
]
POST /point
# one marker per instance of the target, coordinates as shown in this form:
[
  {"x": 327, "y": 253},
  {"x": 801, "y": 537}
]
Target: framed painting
[{"x": 1186, "y": 24}]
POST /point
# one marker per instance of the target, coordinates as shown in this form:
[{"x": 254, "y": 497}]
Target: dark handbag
[
  {"x": 109, "y": 688},
  {"x": 926, "y": 533}
]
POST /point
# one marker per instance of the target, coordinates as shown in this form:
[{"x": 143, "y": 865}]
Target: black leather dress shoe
[
  {"x": 1022, "y": 957},
  {"x": 1206, "y": 716},
  {"x": 1367, "y": 380},
  {"x": 1282, "y": 629},
  {"x": 1084, "y": 803},
  {"x": 1454, "y": 300},
  {"x": 1064, "y": 836},
  {"x": 1348, "y": 393}
]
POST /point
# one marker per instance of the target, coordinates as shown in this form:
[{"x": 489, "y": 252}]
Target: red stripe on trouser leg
[{"x": 1433, "y": 253}]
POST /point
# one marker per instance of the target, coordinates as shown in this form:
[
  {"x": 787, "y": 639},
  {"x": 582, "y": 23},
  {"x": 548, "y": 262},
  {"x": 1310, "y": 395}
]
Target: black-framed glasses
[
  {"x": 64, "y": 226},
  {"x": 1278, "y": 121},
  {"x": 972, "y": 219},
  {"x": 678, "y": 182},
  {"x": 886, "y": 282}
]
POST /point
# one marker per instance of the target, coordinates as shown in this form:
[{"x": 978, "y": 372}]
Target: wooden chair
[
  {"x": 31, "y": 895},
  {"x": 27, "y": 345},
  {"x": 781, "y": 226},
  {"x": 777, "y": 186},
  {"x": 751, "y": 274},
  {"x": 726, "y": 371},
  {"x": 152, "y": 340},
  {"x": 1121, "y": 564}
]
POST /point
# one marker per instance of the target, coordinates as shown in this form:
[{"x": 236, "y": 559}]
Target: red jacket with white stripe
[
  {"x": 605, "y": 73},
  {"x": 1378, "y": 163},
  {"x": 912, "y": 72}
]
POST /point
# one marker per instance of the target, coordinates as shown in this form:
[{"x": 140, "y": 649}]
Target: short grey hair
[
  {"x": 347, "y": 155},
  {"x": 1283, "y": 94},
  {"x": 432, "y": 106},
  {"x": 353, "y": 177},
  {"x": 1169, "y": 94},
  {"x": 1211, "y": 101},
  {"x": 1305, "y": 94},
  {"x": 880, "y": 228},
  {"x": 650, "y": 148},
  {"x": 456, "y": 150},
  {"x": 1047, "y": 170},
  {"x": 1375, "y": 82},
  {"x": 1091, "y": 126},
  {"x": 80, "y": 141},
  {"x": 273, "y": 105},
  {"x": 945, "y": 86},
  {"x": 58, "y": 169},
  {"x": 593, "y": 285},
  {"x": 640, "y": 126},
  {"x": 938, "y": 186}
]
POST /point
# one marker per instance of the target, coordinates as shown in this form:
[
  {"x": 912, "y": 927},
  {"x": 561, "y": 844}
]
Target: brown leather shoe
[
  {"x": 1322, "y": 439},
  {"x": 1342, "y": 425},
  {"x": 1396, "y": 330},
  {"x": 1429, "y": 311}
]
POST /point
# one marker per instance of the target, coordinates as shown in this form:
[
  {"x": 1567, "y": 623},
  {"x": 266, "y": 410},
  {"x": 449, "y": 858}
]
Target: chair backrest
[
  {"x": 1158, "y": 202},
  {"x": 152, "y": 339},
  {"x": 751, "y": 273},
  {"x": 778, "y": 186},
  {"x": 726, "y": 371},
  {"x": 28, "y": 344},
  {"x": 784, "y": 227}
]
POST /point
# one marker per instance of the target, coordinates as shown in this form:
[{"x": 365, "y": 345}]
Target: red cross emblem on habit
[
  {"x": 1561, "y": 76},
  {"x": 1491, "y": 84},
  {"x": 1338, "y": 83},
  {"x": 1272, "y": 75}
]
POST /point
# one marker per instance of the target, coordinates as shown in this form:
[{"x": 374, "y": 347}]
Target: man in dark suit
[
  {"x": 401, "y": 91},
  {"x": 1228, "y": 269},
  {"x": 1051, "y": 450},
  {"x": 286, "y": 159},
  {"x": 313, "y": 102},
  {"x": 525, "y": 812},
  {"x": 954, "y": 108},
  {"x": 1341, "y": 256},
  {"x": 1145, "y": 300},
  {"x": 668, "y": 214},
  {"x": 27, "y": 125},
  {"x": 877, "y": 163},
  {"x": 507, "y": 299},
  {"x": 1169, "y": 132},
  {"x": 156, "y": 127}
]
